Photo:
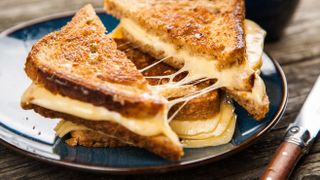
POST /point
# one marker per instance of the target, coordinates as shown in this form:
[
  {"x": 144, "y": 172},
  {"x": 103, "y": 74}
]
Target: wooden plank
[
  {"x": 15, "y": 11},
  {"x": 301, "y": 40}
]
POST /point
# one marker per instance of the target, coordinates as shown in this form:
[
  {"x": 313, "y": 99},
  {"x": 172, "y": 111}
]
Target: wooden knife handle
[{"x": 283, "y": 161}]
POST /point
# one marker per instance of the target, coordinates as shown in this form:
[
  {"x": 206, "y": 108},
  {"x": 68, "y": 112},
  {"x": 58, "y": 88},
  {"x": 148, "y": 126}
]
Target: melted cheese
[
  {"x": 116, "y": 33},
  {"x": 258, "y": 91},
  {"x": 212, "y": 128},
  {"x": 65, "y": 127},
  {"x": 38, "y": 95},
  {"x": 224, "y": 138},
  {"x": 197, "y": 66},
  {"x": 254, "y": 43},
  {"x": 190, "y": 128},
  {"x": 202, "y": 67},
  {"x": 219, "y": 129}
]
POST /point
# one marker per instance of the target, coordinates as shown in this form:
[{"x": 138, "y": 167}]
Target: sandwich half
[
  {"x": 207, "y": 120},
  {"x": 79, "y": 75},
  {"x": 207, "y": 39}
]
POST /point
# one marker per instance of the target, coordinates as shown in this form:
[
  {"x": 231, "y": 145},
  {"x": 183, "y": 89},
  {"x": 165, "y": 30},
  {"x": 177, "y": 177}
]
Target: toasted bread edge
[{"x": 160, "y": 145}]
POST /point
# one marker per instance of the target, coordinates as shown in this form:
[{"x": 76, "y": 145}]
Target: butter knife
[{"x": 298, "y": 139}]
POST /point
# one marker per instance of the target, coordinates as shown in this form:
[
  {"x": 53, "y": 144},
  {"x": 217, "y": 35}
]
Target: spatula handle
[{"x": 283, "y": 162}]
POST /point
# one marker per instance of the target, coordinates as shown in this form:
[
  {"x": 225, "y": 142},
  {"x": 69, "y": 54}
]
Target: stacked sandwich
[{"x": 164, "y": 79}]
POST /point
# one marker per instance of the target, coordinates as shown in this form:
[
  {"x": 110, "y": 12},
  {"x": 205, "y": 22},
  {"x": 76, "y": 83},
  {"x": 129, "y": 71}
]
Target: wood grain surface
[{"x": 298, "y": 53}]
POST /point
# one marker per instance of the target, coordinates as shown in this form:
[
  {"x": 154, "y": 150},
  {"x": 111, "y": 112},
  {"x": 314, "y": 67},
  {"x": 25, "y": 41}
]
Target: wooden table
[{"x": 298, "y": 53}]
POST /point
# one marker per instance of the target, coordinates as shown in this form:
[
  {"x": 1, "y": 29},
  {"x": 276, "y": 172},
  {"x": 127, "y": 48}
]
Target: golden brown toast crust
[
  {"x": 91, "y": 138},
  {"x": 81, "y": 62},
  {"x": 210, "y": 27},
  {"x": 160, "y": 12},
  {"x": 160, "y": 145},
  {"x": 257, "y": 111}
]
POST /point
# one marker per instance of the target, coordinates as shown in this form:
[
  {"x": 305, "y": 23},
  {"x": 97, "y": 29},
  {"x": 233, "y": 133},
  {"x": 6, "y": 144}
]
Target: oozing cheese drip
[
  {"x": 157, "y": 125},
  {"x": 200, "y": 67}
]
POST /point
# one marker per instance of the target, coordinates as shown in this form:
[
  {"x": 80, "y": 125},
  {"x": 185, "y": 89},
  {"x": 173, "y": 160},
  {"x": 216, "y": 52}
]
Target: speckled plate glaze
[{"x": 32, "y": 135}]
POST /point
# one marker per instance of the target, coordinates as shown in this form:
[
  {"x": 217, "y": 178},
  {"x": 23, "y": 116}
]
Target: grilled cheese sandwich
[
  {"x": 173, "y": 32},
  {"x": 79, "y": 75},
  {"x": 210, "y": 130},
  {"x": 237, "y": 78},
  {"x": 201, "y": 67}
]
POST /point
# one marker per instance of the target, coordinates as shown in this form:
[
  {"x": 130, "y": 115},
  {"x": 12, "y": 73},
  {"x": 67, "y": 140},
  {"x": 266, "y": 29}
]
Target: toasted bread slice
[
  {"x": 212, "y": 28},
  {"x": 81, "y": 62},
  {"x": 254, "y": 99},
  {"x": 208, "y": 35},
  {"x": 79, "y": 75}
]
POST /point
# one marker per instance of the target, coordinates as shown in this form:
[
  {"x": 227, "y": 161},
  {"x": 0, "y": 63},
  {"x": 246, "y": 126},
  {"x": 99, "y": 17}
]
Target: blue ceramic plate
[{"x": 33, "y": 135}]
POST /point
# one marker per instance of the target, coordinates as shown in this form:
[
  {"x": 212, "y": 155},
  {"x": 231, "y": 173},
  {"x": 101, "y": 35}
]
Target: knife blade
[
  {"x": 309, "y": 116},
  {"x": 298, "y": 139}
]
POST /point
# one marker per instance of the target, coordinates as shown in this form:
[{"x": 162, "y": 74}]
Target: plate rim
[{"x": 149, "y": 169}]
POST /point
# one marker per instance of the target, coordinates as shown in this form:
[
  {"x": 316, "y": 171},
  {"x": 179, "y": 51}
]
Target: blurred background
[
  {"x": 272, "y": 15},
  {"x": 15, "y": 11}
]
